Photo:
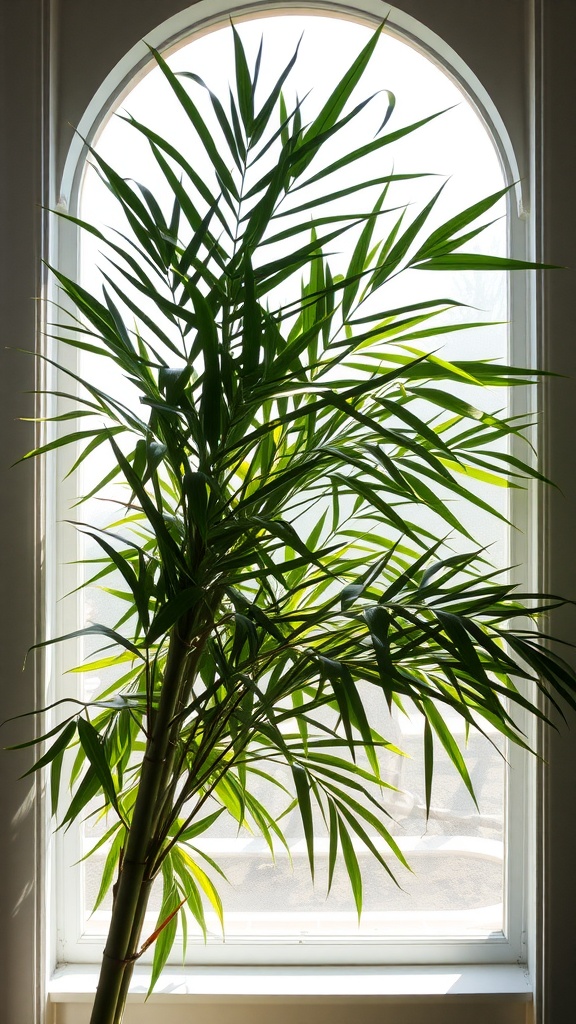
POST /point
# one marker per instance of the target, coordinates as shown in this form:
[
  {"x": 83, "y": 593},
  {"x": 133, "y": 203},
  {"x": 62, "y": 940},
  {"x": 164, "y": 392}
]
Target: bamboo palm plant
[{"x": 269, "y": 543}]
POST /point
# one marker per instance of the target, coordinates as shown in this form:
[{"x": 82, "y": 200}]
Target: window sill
[
  {"x": 316, "y": 995},
  {"x": 501, "y": 982}
]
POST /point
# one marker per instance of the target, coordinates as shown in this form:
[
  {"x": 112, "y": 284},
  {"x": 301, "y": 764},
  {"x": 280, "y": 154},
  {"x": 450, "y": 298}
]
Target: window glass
[{"x": 458, "y": 856}]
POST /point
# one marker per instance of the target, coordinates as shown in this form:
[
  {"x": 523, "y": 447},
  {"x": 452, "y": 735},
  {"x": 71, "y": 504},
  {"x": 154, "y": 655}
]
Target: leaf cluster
[{"x": 289, "y": 447}]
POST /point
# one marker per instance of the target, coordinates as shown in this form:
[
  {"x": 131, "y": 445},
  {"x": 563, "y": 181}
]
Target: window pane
[{"x": 458, "y": 855}]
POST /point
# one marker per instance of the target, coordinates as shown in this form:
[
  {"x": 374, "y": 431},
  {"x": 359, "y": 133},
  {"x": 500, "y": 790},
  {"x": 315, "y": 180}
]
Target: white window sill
[{"x": 323, "y": 985}]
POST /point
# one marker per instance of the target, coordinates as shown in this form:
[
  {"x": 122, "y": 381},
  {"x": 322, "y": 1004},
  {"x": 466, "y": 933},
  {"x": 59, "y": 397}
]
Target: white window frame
[
  {"x": 77, "y": 947},
  {"x": 552, "y": 223}
]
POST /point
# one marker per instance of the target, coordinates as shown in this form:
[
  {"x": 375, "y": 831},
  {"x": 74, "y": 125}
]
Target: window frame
[
  {"x": 552, "y": 229},
  {"x": 436, "y": 949}
]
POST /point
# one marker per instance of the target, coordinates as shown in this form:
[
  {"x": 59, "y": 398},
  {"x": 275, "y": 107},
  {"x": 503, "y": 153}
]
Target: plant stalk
[{"x": 133, "y": 886}]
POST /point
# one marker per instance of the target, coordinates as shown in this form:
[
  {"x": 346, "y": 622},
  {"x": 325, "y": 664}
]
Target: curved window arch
[
  {"x": 203, "y": 16},
  {"x": 496, "y": 164}
]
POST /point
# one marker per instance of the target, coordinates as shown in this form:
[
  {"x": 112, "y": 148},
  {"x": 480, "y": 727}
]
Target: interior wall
[
  {"x": 21, "y": 196},
  {"x": 558, "y": 228},
  {"x": 81, "y": 29},
  {"x": 476, "y": 1012}
]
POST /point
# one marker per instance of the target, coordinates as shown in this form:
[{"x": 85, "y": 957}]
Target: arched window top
[
  {"x": 207, "y": 16},
  {"x": 405, "y": 85}
]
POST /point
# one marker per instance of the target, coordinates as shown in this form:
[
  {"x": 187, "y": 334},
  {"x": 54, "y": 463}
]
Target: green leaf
[
  {"x": 477, "y": 261},
  {"x": 109, "y": 868},
  {"x": 96, "y": 629},
  {"x": 123, "y": 565},
  {"x": 262, "y": 119},
  {"x": 171, "y": 611},
  {"x": 337, "y": 100},
  {"x": 205, "y": 884},
  {"x": 446, "y": 231},
  {"x": 243, "y": 83},
  {"x": 59, "y": 746},
  {"x": 72, "y": 438},
  {"x": 447, "y": 740},
  {"x": 211, "y": 404},
  {"x": 252, "y": 323},
  {"x": 95, "y": 751},
  {"x": 203, "y": 132},
  {"x": 88, "y": 788},
  {"x": 428, "y": 764},
  {"x": 352, "y": 866},
  {"x": 165, "y": 934},
  {"x": 301, "y": 785},
  {"x": 190, "y": 889},
  {"x": 365, "y": 150},
  {"x": 358, "y": 262},
  {"x": 333, "y": 845},
  {"x": 237, "y": 149},
  {"x": 160, "y": 143}
]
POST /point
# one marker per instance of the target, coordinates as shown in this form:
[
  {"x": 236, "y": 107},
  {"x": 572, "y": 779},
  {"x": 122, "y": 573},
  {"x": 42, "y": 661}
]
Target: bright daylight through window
[{"x": 448, "y": 496}]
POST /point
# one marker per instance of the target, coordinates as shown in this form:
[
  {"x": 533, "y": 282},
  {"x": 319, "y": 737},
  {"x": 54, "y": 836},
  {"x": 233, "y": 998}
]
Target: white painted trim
[{"x": 235, "y": 985}]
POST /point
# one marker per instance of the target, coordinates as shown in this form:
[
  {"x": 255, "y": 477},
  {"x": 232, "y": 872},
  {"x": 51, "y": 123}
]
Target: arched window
[
  {"x": 468, "y": 847},
  {"x": 466, "y": 919}
]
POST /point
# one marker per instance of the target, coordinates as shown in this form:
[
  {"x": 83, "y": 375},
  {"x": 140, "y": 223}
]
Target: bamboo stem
[
  {"x": 133, "y": 885},
  {"x": 134, "y": 943}
]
